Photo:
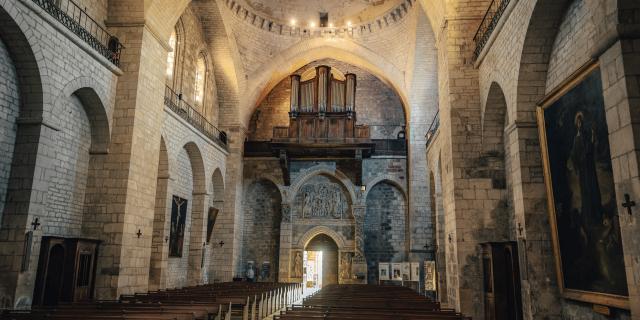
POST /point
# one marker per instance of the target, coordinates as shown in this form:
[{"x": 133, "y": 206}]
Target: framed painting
[
  {"x": 581, "y": 197},
  {"x": 178, "y": 219}
]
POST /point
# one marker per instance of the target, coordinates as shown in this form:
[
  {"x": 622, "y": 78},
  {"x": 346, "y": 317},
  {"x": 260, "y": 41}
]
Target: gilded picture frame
[{"x": 589, "y": 72}]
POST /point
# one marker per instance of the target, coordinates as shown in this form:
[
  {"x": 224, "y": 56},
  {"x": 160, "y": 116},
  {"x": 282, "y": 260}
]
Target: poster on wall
[
  {"x": 383, "y": 271},
  {"x": 176, "y": 232},
  {"x": 430, "y": 275},
  {"x": 396, "y": 271},
  {"x": 406, "y": 271},
  {"x": 581, "y": 197},
  {"x": 415, "y": 271}
]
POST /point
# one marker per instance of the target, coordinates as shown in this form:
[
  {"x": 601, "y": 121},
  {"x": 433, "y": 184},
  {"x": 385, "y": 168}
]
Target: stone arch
[
  {"x": 25, "y": 61},
  {"x": 330, "y": 172},
  {"x": 385, "y": 229},
  {"x": 159, "y": 247},
  {"x": 536, "y": 54},
  {"x": 94, "y": 103},
  {"x": 217, "y": 183},
  {"x": 305, "y": 52},
  {"x": 388, "y": 179},
  {"x": 494, "y": 119},
  {"x": 197, "y": 237},
  {"x": 315, "y": 231},
  {"x": 262, "y": 219}
]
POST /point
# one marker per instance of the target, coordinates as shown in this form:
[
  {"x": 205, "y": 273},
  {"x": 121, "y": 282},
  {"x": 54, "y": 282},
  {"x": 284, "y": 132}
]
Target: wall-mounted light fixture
[{"x": 363, "y": 188}]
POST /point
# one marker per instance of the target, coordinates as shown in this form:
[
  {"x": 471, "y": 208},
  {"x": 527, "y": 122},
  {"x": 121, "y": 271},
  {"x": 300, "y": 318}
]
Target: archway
[
  {"x": 320, "y": 262},
  {"x": 262, "y": 218},
  {"x": 384, "y": 227}
]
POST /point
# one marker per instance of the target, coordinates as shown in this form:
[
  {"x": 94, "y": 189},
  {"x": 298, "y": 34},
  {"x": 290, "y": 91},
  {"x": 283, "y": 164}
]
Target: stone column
[
  {"x": 286, "y": 234},
  {"x": 197, "y": 243},
  {"x": 26, "y": 201},
  {"x": 620, "y": 67},
  {"x": 229, "y": 224},
  {"x": 124, "y": 200}
]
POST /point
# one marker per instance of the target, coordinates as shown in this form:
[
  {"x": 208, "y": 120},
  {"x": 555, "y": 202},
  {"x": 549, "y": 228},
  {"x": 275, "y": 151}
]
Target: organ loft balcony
[{"x": 323, "y": 125}]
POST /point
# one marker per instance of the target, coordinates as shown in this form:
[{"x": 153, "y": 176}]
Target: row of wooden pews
[
  {"x": 368, "y": 302},
  {"x": 220, "y": 301}
]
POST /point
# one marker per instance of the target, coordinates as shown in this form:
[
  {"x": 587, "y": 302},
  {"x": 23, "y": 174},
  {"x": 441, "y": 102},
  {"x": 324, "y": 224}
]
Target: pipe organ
[
  {"x": 322, "y": 109},
  {"x": 322, "y": 123}
]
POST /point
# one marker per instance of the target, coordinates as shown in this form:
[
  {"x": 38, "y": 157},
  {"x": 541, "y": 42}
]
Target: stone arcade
[{"x": 177, "y": 146}]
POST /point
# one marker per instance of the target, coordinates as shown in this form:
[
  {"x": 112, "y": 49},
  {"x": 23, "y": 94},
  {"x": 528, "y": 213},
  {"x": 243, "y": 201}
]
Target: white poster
[
  {"x": 396, "y": 269},
  {"x": 415, "y": 271},
  {"x": 383, "y": 271},
  {"x": 430, "y": 276},
  {"x": 406, "y": 271}
]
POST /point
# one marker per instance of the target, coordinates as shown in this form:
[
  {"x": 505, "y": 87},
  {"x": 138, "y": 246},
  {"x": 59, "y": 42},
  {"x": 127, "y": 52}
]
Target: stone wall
[
  {"x": 9, "y": 111},
  {"x": 66, "y": 195}
]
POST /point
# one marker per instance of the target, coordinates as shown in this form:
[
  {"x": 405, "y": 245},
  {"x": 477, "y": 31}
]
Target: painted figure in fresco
[
  {"x": 346, "y": 266},
  {"x": 297, "y": 266}
]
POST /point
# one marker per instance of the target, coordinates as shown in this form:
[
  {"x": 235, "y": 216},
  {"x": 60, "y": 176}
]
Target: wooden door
[
  {"x": 501, "y": 281},
  {"x": 53, "y": 280},
  {"x": 84, "y": 270}
]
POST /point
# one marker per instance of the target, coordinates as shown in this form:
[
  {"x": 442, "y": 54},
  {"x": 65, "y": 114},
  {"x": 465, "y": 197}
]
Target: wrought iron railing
[
  {"x": 433, "y": 128},
  {"x": 79, "y": 22},
  {"x": 488, "y": 24},
  {"x": 187, "y": 112}
]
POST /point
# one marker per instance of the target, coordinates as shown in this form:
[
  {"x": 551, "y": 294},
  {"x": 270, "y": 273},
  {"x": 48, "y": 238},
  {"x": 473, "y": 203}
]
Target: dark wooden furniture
[
  {"x": 501, "y": 281},
  {"x": 66, "y": 270}
]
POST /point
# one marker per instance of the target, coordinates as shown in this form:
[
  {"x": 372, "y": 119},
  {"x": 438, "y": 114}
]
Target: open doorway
[
  {"x": 320, "y": 263},
  {"x": 313, "y": 270}
]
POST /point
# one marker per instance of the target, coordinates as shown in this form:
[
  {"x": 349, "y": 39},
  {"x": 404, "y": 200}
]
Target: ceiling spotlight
[
  {"x": 330, "y": 25},
  {"x": 293, "y": 22},
  {"x": 312, "y": 24},
  {"x": 348, "y": 23}
]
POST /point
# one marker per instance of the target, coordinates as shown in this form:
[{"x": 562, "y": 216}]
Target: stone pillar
[
  {"x": 359, "y": 262},
  {"x": 160, "y": 237},
  {"x": 229, "y": 224},
  {"x": 286, "y": 234},
  {"x": 197, "y": 243},
  {"x": 125, "y": 198},
  {"x": 26, "y": 200},
  {"x": 537, "y": 270},
  {"x": 620, "y": 67}
]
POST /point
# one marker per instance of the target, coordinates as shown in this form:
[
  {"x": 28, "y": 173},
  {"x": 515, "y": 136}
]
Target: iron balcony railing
[
  {"x": 488, "y": 25},
  {"x": 185, "y": 111},
  {"x": 433, "y": 128},
  {"x": 79, "y": 22}
]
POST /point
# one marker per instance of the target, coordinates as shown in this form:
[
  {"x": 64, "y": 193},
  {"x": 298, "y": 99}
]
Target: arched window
[
  {"x": 171, "y": 57},
  {"x": 201, "y": 70}
]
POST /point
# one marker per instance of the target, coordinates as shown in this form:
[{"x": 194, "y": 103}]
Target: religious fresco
[
  {"x": 178, "y": 218},
  {"x": 582, "y": 199}
]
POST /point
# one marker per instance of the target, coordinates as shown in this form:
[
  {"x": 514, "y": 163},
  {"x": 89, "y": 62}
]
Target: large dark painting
[
  {"x": 582, "y": 198},
  {"x": 178, "y": 219}
]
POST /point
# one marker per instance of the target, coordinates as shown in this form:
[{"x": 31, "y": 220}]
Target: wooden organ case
[{"x": 322, "y": 121}]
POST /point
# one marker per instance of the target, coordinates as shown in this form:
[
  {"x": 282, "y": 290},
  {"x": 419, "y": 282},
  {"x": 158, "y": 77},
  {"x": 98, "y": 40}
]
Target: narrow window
[
  {"x": 171, "y": 57},
  {"x": 201, "y": 70}
]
